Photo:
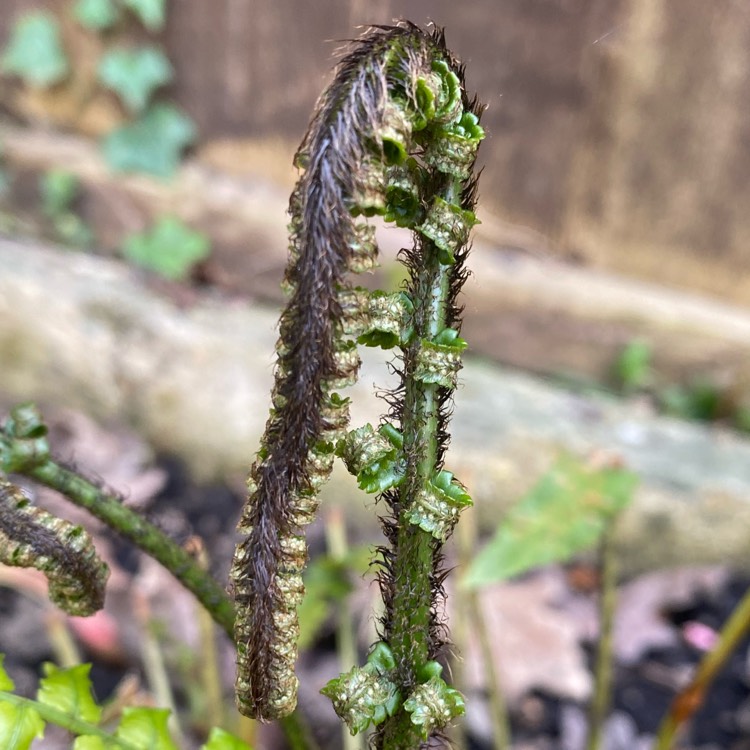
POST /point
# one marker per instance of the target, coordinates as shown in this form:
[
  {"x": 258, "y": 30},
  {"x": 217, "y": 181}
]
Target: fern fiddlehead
[
  {"x": 30, "y": 537},
  {"x": 394, "y": 135}
]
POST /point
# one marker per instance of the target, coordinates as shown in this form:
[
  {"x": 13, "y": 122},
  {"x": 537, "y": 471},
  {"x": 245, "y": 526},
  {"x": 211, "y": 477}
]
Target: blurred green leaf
[
  {"x": 152, "y": 13},
  {"x": 633, "y": 367},
  {"x": 169, "y": 248},
  {"x": 96, "y": 15},
  {"x": 19, "y": 726},
  {"x": 742, "y": 418},
  {"x": 59, "y": 189},
  {"x": 35, "y": 52},
  {"x": 5, "y": 682},
  {"x": 700, "y": 400},
  {"x": 152, "y": 144},
  {"x": 564, "y": 513},
  {"x": 134, "y": 74},
  {"x": 326, "y": 582},
  {"x": 221, "y": 740}
]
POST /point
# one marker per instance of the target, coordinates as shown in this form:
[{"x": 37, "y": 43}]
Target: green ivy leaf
[
  {"x": 35, "y": 52},
  {"x": 69, "y": 691},
  {"x": 170, "y": 248},
  {"x": 152, "y": 13},
  {"x": 153, "y": 143},
  {"x": 564, "y": 513},
  {"x": 96, "y": 15},
  {"x": 221, "y": 740},
  {"x": 134, "y": 74},
  {"x": 19, "y": 726},
  {"x": 145, "y": 728}
]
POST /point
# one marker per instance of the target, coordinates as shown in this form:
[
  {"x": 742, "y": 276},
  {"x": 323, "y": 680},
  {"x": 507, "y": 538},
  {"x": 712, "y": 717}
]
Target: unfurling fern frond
[
  {"x": 30, "y": 537},
  {"x": 393, "y": 135}
]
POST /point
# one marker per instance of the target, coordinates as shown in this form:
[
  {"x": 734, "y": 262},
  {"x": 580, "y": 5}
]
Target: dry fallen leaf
[
  {"x": 640, "y": 623},
  {"x": 534, "y": 641}
]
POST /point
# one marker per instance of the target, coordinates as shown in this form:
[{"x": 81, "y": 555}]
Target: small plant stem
[
  {"x": 142, "y": 534},
  {"x": 209, "y": 658},
  {"x": 346, "y": 647},
  {"x": 154, "y": 666},
  {"x": 62, "y": 642},
  {"x": 408, "y": 632},
  {"x": 691, "y": 698},
  {"x": 467, "y": 539},
  {"x": 603, "y": 671}
]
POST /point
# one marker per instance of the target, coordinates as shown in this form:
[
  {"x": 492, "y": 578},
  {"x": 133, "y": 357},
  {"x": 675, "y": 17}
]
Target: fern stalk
[{"x": 394, "y": 135}]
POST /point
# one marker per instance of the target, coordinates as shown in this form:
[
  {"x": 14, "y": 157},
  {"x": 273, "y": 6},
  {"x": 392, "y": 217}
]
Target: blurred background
[{"x": 145, "y": 165}]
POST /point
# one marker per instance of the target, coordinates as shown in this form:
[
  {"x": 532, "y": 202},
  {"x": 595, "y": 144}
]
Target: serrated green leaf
[
  {"x": 152, "y": 13},
  {"x": 134, "y": 74},
  {"x": 146, "y": 728},
  {"x": 169, "y": 248},
  {"x": 97, "y": 15},
  {"x": 152, "y": 144},
  {"x": 564, "y": 513},
  {"x": 69, "y": 691},
  {"x": 35, "y": 52},
  {"x": 221, "y": 740},
  {"x": 19, "y": 726},
  {"x": 5, "y": 682}
]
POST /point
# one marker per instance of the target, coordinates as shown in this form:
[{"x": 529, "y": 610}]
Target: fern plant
[{"x": 395, "y": 135}]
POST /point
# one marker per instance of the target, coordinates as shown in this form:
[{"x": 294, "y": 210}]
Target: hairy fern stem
[{"x": 394, "y": 135}]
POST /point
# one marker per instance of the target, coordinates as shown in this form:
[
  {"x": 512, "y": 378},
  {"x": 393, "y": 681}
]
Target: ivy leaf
[
  {"x": 69, "y": 691},
  {"x": 152, "y": 13},
  {"x": 134, "y": 74},
  {"x": 35, "y": 52},
  {"x": 564, "y": 513},
  {"x": 145, "y": 728},
  {"x": 221, "y": 740},
  {"x": 151, "y": 144},
  {"x": 169, "y": 248},
  {"x": 19, "y": 726},
  {"x": 96, "y": 15}
]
